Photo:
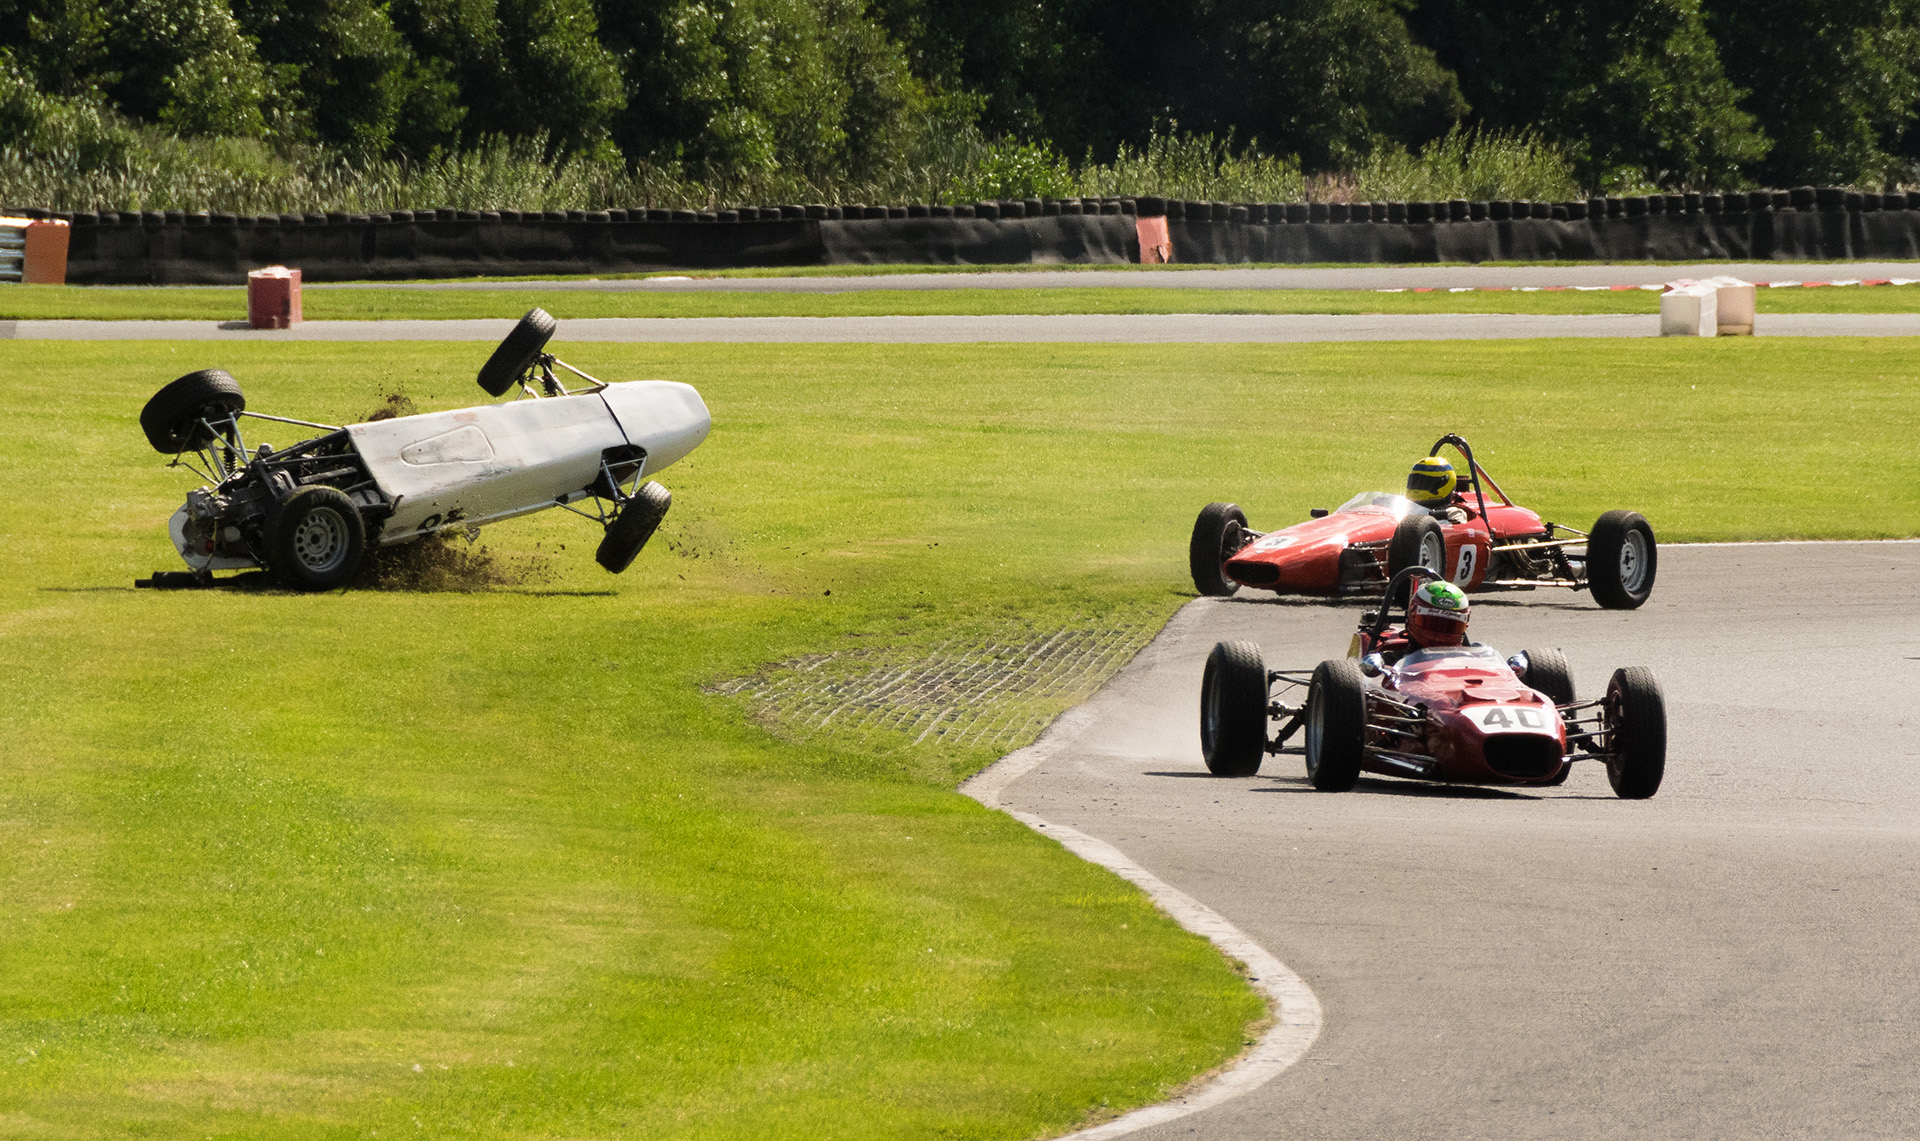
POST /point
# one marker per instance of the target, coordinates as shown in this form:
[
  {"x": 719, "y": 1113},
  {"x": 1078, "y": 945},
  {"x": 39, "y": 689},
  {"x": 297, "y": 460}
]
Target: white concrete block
[
  {"x": 1689, "y": 310},
  {"x": 1734, "y": 306}
]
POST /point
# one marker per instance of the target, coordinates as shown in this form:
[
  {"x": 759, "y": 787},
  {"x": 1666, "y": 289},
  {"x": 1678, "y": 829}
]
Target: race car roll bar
[
  {"x": 1478, "y": 473},
  {"x": 1377, "y": 620}
]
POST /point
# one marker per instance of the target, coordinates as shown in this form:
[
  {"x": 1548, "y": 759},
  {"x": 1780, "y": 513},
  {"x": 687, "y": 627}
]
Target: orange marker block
[
  {"x": 1156, "y": 246},
  {"x": 273, "y": 297},
  {"x": 46, "y": 260}
]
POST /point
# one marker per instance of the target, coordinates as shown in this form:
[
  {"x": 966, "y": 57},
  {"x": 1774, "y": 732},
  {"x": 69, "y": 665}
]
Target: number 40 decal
[{"x": 1511, "y": 718}]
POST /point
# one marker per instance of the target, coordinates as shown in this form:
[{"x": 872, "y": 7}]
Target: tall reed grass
[{"x": 147, "y": 169}]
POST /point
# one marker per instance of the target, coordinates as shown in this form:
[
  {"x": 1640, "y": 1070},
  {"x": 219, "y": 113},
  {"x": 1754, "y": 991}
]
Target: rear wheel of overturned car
[
  {"x": 316, "y": 539},
  {"x": 1336, "y": 725},
  {"x": 176, "y": 418},
  {"x": 1621, "y": 560},
  {"x": 517, "y": 352},
  {"x": 1220, "y": 531},
  {"x": 1233, "y": 710},
  {"x": 639, "y": 518},
  {"x": 1635, "y": 718},
  {"x": 1417, "y": 542}
]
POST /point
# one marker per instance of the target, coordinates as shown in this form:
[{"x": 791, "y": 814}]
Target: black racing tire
[
  {"x": 1417, "y": 541},
  {"x": 174, "y": 419},
  {"x": 1220, "y": 530},
  {"x": 1233, "y": 710},
  {"x": 1336, "y": 725},
  {"x": 639, "y": 518},
  {"x": 1548, "y": 672},
  {"x": 517, "y": 352},
  {"x": 316, "y": 539},
  {"x": 1636, "y": 733},
  {"x": 1622, "y": 558}
]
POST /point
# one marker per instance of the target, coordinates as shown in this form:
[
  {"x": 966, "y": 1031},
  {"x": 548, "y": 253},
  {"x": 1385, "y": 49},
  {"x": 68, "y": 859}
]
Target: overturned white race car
[{"x": 309, "y": 513}]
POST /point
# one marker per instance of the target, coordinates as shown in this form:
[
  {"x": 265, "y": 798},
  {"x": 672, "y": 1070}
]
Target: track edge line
[{"x": 1296, "y": 1009}]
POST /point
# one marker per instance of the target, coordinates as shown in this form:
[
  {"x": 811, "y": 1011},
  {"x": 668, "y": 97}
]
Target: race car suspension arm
[
  {"x": 1540, "y": 545},
  {"x": 1585, "y": 722}
]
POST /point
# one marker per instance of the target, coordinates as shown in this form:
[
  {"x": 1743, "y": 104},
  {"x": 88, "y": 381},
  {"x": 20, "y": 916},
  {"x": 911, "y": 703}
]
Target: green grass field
[
  {"x": 48, "y": 302},
  {"x": 501, "y": 864}
]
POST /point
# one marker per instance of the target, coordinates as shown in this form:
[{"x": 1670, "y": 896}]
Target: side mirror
[
  {"x": 1518, "y": 664},
  {"x": 1318, "y": 513},
  {"x": 1373, "y": 665}
]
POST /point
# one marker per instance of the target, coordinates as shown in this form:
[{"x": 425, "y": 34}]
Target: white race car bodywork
[
  {"x": 496, "y": 461},
  {"x": 476, "y": 465}
]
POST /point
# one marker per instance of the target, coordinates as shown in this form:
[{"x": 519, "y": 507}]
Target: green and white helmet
[{"x": 1437, "y": 614}]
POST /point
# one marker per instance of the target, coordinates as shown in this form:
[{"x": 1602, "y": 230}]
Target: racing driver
[
  {"x": 1434, "y": 485},
  {"x": 1437, "y": 614}
]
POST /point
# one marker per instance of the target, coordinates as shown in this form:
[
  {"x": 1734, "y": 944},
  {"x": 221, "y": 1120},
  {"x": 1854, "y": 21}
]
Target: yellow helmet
[{"x": 1432, "y": 482}]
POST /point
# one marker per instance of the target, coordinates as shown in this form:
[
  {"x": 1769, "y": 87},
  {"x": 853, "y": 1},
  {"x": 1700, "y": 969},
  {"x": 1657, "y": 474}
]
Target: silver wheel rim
[
  {"x": 1433, "y": 552},
  {"x": 1633, "y": 562},
  {"x": 1316, "y": 730},
  {"x": 320, "y": 540}
]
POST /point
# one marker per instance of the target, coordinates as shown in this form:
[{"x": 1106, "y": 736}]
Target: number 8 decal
[{"x": 1463, "y": 572}]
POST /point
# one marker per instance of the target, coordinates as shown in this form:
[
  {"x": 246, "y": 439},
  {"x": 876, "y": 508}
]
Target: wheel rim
[
  {"x": 320, "y": 540},
  {"x": 1633, "y": 562},
  {"x": 1232, "y": 537},
  {"x": 1611, "y": 713},
  {"x": 1316, "y": 731},
  {"x": 1210, "y": 719},
  {"x": 1433, "y": 552}
]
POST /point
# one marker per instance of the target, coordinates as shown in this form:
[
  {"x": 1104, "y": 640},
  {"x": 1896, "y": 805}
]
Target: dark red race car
[
  {"x": 1454, "y": 714},
  {"x": 1477, "y": 544}
]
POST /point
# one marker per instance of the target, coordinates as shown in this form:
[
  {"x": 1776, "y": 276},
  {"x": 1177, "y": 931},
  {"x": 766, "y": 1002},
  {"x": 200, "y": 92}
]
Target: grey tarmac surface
[
  {"x": 1224, "y": 277},
  {"x": 1733, "y": 958},
  {"x": 1083, "y": 328}
]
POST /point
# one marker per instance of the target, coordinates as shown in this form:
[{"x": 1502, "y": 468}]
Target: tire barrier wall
[{"x": 216, "y": 249}]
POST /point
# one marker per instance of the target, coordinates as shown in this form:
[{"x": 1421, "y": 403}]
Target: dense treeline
[{"x": 839, "y": 94}]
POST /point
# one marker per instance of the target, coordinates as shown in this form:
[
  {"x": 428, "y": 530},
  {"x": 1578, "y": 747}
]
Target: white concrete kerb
[{"x": 1296, "y": 1010}]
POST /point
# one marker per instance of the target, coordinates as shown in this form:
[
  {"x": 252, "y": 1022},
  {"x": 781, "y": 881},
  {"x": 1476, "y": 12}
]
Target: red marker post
[{"x": 273, "y": 297}]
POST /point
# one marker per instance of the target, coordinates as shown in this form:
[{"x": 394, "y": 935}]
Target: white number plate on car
[{"x": 1510, "y": 718}]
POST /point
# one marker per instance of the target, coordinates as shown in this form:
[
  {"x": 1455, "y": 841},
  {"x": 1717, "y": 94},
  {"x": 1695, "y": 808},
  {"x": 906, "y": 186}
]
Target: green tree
[
  {"x": 739, "y": 89},
  {"x": 1326, "y": 79},
  {"x": 60, "y": 44},
  {"x": 1630, "y": 89},
  {"x": 1834, "y": 83},
  {"x": 517, "y": 68}
]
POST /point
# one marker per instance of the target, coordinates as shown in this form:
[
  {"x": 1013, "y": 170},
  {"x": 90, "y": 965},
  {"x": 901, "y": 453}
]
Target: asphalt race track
[
  {"x": 1080, "y": 328},
  {"x": 1737, "y": 957}
]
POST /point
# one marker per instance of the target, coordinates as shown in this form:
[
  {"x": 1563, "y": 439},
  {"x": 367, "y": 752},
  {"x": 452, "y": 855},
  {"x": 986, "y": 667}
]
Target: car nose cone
[{"x": 665, "y": 417}]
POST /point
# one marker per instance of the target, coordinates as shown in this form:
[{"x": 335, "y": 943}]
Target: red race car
[
  {"x": 1477, "y": 544},
  {"x": 1457, "y": 714}
]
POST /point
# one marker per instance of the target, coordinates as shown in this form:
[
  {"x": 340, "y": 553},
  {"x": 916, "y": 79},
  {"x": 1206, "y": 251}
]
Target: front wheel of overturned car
[
  {"x": 517, "y": 352},
  {"x": 1233, "y": 710},
  {"x": 1417, "y": 542},
  {"x": 1621, "y": 560},
  {"x": 639, "y": 518},
  {"x": 1636, "y": 733},
  {"x": 316, "y": 539},
  {"x": 1336, "y": 725},
  {"x": 176, "y": 418},
  {"x": 1220, "y": 531}
]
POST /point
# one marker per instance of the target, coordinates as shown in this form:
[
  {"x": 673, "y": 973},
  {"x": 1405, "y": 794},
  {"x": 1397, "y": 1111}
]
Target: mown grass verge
[
  {"x": 44, "y": 302},
  {"x": 499, "y": 864}
]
